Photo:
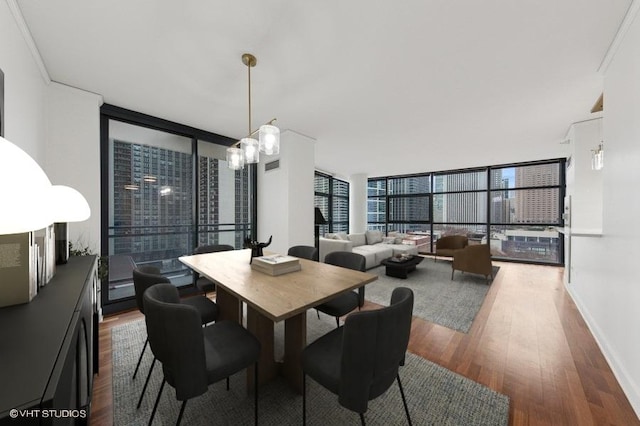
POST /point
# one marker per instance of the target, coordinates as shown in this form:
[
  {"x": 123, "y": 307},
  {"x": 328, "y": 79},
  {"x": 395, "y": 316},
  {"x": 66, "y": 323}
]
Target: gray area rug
[
  {"x": 437, "y": 298},
  {"x": 435, "y": 395}
]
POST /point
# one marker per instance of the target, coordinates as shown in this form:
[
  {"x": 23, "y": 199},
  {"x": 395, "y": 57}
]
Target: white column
[
  {"x": 285, "y": 194},
  {"x": 358, "y": 203}
]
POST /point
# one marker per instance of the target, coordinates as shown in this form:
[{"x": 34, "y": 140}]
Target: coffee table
[{"x": 400, "y": 269}]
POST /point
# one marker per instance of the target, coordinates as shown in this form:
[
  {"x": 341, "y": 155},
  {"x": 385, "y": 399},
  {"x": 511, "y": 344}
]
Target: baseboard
[{"x": 629, "y": 388}]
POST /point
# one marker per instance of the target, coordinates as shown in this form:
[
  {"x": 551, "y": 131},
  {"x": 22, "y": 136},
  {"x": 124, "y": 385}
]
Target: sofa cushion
[
  {"x": 388, "y": 240},
  {"x": 402, "y": 248},
  {"x": 374, "y": 254},
  {"x": 369, "y": 256},
  {"x": 358, "y": 239},
  {"x": 373, "y": 237}
]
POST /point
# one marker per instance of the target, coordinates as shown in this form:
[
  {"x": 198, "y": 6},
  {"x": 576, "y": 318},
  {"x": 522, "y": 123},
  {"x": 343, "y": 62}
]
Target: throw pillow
[
  {"x": 389, "y": 240},
  {"x": 358, "y": 239},
  {"x": 342, "y": 236},
  {"x": 373, "y": 237}
]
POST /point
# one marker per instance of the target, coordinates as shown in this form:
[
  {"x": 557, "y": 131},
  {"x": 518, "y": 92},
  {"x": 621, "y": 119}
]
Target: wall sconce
[
  {"x": 68, "y": 206},
  {"x": 597, "y": 157}
]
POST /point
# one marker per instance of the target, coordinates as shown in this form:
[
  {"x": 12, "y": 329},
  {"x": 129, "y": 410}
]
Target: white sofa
[{"x": 371, "y": 244}]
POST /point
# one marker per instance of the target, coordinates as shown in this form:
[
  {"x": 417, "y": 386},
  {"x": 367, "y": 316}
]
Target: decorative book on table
[{"x": 276, "y": 264}]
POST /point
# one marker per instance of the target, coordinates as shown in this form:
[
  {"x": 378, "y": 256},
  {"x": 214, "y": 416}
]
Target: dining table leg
[
  {"x": 262, "y": 327},
  {"x": 229, "y": 306},
  {"x": 295, "y": 340}
]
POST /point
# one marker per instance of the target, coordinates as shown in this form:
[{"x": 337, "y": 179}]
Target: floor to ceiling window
[
  {"x": 332, "y": 198},
  {"x": 166, "y": 189},
  {"x": 516, "y": 208}
]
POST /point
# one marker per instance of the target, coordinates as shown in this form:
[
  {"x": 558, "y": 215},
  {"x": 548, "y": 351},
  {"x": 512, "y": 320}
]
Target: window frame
[
  {"x": 486, "y": 188},
  {"x": 110, "y": 112},
  {"x": 330, "y": 197}
]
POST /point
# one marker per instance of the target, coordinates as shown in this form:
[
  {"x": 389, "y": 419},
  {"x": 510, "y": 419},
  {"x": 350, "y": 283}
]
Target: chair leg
[
  {"x": 146, "y": 342},
  {"x": 184, "y": 403},
  {"x": 155, "y": 406},
  {"x": 362, "y": 419},
  {"x": 227, "y": 383},
  {"x": 452, "y": 271},
  {"x": 318, "y": 313},
  {"x": 304, "y": 399},
  {"x": 255, "y": 393},
  {"x": 337, "y": 322},
  {"x": 146, "y": 382},
  {"x": 404, "y": 400}
]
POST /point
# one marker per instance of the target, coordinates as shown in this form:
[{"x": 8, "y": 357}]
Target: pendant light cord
[{"x": 249, "y": 74}]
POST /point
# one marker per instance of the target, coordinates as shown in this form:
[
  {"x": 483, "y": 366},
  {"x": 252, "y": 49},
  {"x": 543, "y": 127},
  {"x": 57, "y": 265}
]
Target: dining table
[{"x": 270, "y": 299}]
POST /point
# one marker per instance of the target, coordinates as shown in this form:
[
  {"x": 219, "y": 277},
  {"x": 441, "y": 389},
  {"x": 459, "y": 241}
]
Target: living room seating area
[{"x": 371, "y": 244}]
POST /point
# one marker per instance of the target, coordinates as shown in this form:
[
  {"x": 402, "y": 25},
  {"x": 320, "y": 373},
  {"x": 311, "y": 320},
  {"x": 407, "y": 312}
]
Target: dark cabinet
[{"x": 48, "y": 350}]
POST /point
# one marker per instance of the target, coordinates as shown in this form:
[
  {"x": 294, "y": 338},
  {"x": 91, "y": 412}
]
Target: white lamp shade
[
  {"x": 269, "y": 139},
  {"x": 235, "y": 158},
  {"x": 24, "y": 191},
  {"x": 68, "y": 205},
  {"x": 251, "y": 150}
]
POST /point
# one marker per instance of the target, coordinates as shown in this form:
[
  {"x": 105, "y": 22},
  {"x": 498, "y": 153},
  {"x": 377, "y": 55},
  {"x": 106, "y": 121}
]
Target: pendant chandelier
[{"x": 247, "y": 150}]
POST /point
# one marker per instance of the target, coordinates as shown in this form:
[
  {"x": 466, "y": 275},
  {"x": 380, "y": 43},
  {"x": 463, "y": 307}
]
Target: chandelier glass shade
[{"x": 247, "y": 150}]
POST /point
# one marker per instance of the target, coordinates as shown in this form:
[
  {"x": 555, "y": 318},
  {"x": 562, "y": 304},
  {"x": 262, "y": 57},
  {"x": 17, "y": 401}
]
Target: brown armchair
[
  {"x": 475, "y": 259},
  {"x": 447, "y": 246}
]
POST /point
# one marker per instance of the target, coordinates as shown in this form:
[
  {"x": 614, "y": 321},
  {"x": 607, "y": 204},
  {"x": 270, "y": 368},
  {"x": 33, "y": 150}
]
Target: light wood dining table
[{"x": 272, "y": 299}]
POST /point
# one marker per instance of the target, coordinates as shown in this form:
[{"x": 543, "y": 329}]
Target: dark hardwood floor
[{"x": 528, "y": 342}]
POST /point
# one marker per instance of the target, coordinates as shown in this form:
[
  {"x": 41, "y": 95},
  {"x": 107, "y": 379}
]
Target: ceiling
[{"x": 383, "y": 87}]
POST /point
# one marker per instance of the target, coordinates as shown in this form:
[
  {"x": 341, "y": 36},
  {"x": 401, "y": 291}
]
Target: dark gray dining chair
[
  {"x": 345, "y": 303},
  {"x": 192, "y": 356},
  {"x": 203, "y": 284},
  {"x": 144, "y": 277},
  {"x": 359, "y": 361},
  {"x": 304, "y": 252}
]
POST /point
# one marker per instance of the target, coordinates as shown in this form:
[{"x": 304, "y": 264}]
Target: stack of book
[{"x": 276, "y": 264}]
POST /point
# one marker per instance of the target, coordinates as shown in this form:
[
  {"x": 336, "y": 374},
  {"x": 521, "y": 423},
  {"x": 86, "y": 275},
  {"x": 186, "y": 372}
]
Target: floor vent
[{"x": 275, "y": 164}]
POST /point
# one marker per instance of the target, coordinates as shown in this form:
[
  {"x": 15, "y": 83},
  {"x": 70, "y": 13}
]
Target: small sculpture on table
[{"x": 256, "y": 247}]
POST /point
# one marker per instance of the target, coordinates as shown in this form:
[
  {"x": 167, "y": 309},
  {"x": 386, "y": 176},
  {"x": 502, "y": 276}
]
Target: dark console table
[
  {"x": 400, "y": 269},
  {"x": 49, "y": 349}
]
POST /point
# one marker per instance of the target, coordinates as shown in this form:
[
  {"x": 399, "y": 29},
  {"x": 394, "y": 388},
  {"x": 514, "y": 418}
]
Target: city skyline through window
[
  {"x": 168, "y": 194},
  {"x": 515, "y": 208}
]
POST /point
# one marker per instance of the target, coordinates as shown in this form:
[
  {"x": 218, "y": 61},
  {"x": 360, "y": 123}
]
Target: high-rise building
[
  {"x": 153, "y": 203},
  {"x": 455, "y": 199},
  {"x": 537, "y": 205}
]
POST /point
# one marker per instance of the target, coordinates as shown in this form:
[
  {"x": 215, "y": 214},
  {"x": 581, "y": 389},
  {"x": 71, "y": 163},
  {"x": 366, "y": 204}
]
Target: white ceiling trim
[
  {"x": 26, "y": 34},
  {"x": 622, "y": 32}
]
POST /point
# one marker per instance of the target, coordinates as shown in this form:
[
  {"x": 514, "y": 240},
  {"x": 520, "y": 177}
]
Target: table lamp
[
  {"x": 25, "y": 194},
  {"x": 24, "y": 190},
  {"x": 68, "y": 206}
]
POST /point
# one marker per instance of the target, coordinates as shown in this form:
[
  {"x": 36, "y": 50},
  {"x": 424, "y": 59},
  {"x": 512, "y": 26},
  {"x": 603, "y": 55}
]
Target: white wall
[
  {"x": 73, "y": 153},
  {"x": 604, "y": 279},
  {"x": 285, "y": 195},
  {"x": 24, "y": 90}
]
